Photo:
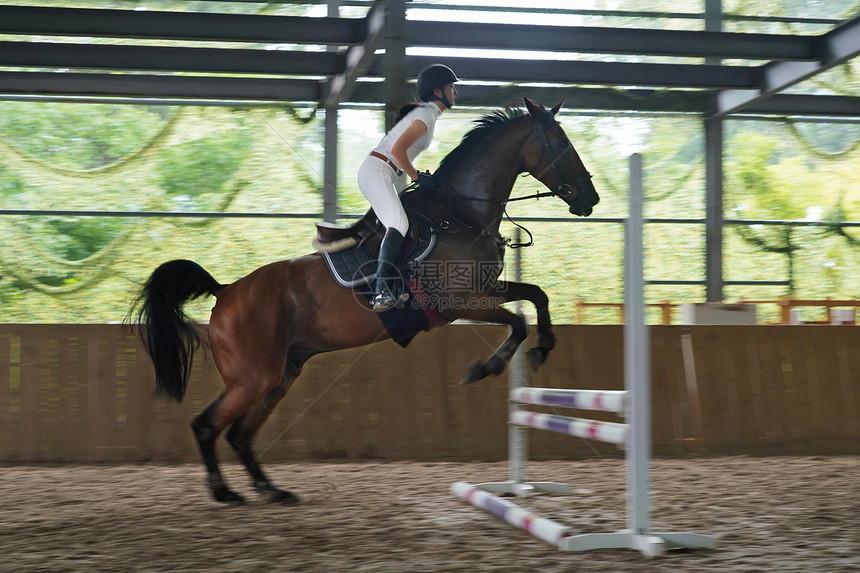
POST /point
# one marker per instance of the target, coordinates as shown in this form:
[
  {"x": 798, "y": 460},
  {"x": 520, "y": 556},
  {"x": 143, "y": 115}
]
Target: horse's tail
[{"x": 167, "y": 333}]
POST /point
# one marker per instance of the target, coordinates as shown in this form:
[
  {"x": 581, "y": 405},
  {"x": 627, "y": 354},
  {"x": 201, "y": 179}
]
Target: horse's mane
[{"x": 484, "y": 128}]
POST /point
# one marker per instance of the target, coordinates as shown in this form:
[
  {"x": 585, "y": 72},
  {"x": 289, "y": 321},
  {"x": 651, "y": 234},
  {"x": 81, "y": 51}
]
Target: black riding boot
[{"x": 388, "y": 279}]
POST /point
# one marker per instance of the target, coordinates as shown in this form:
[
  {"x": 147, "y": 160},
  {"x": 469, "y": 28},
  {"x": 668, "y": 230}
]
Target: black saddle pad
[{"x": 355, "y": 267}]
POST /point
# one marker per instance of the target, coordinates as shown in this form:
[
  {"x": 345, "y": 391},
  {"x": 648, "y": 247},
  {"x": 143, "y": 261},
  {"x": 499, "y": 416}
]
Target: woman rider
[{"x": 378, "y": 176}]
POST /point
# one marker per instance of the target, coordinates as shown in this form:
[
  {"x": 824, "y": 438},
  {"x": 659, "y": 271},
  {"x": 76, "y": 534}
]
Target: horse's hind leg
[
  {"x": 513, "y": 291},
  {"x": 206, "y": 433},
  {"x": 242, "y": 432},
  {"x": 233, "y": 404}
]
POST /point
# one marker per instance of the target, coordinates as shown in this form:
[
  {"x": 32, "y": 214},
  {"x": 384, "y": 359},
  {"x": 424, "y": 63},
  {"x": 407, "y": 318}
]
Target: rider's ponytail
[{"x": 404, "y": 109}]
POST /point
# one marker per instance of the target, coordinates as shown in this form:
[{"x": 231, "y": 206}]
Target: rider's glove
[{"x": 426, "y": 181}]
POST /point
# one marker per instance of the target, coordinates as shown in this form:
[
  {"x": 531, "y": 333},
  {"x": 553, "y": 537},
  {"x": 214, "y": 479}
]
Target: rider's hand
[{"x": 426, "y": 181}]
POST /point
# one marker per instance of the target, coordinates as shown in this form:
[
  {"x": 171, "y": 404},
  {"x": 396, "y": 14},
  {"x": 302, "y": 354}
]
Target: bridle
[{"x": 564, "y": 189}]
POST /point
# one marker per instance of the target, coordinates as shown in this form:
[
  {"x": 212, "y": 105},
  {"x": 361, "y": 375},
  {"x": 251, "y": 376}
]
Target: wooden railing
[
  {"x": 665, "y": 306},
  {"x": 786, "y": 304}
]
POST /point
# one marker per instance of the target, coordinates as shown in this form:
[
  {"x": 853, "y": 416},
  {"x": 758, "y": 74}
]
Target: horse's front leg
[
  {"x": 512, "y": 291},
  {"x": 496, "y": 363}
]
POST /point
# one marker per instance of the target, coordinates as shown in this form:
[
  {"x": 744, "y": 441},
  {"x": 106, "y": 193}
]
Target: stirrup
[{"x": 385, "y": 300}]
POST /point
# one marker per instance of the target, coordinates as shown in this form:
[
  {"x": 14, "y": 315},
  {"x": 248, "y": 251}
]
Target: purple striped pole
[
  {"x": 545, "y": 529},
  {"x": 592, "y": 429},
  {"x": 604, "y": 400}
]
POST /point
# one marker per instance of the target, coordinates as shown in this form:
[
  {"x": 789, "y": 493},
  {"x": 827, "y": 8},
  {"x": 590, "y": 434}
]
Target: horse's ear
[
  {"x": 535, "y": 108},
  {"x": 557, "y": 107}
]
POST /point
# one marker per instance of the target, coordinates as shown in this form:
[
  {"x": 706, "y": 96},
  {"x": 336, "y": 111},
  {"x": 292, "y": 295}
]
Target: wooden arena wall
[{"x": 84, "y": 393}]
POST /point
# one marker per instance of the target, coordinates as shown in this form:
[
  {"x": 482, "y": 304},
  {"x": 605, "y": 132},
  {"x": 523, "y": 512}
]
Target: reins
[
  {"x": 510, "y": 242},
  {"x": 507, "y": 242},
  {"x": 505, "y": 202},
  {"x": 534, "y": 196}
]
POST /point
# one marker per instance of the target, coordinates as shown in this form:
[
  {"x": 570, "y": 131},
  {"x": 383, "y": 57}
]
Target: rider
[{"x": 379, "y": 174}]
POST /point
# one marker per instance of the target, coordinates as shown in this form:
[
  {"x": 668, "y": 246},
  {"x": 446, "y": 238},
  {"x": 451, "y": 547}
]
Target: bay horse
[{"x": 266, "y": 325}]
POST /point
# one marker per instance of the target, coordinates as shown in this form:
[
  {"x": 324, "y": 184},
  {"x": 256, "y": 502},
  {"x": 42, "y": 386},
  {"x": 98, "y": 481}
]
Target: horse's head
[{"x": 552, "y": 160}]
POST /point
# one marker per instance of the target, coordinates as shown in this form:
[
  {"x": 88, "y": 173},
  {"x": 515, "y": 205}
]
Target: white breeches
[{"x": 379, "y": 184}]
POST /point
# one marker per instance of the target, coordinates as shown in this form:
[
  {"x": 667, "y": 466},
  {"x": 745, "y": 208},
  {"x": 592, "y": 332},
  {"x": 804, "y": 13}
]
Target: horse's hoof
[
  {"x": 282, "y": 497},
  {"x": 228, "y": 497},
  {"x": 474, "y": 372},
  {"x": 494, "y": 366},
  {"x": 536, "y": 357},
  {"x": 232, "y": 500},
  {"x": 546, "y": 341}
]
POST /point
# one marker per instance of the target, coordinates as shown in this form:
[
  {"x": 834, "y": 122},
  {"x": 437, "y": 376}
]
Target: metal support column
[
  {"x": 330, "y": 166},
  {"x": 330, "y": 146},
  {"x": 713, "y": 208},
  {"x": 396, "y": 74},
  {"x": 713, "y": 176}
]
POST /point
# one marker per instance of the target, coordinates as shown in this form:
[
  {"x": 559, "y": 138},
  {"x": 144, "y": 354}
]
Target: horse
[{"x": 265, "y": 326}]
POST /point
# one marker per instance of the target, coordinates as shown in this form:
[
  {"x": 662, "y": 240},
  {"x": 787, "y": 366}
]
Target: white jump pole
[
  {"x": 518, "y": 439},
  {"x": 518, "y": 444},
  {"x": 637, "y": 363},
  {"x": 605, "y": 400}
]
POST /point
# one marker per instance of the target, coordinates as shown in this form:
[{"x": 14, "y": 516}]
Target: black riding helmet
[{"x": 432, "y": 77}]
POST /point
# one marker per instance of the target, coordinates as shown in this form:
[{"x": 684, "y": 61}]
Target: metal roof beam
[
  {"x": 234, "y": 91},
  {"x": 344, "y": 31},
  {"x": 585, "y": 98},
  {"x": 201, "y": 26},
  {"x": 358, "y": 60},
  {"x": 151, "y": 58},
  {"x": 832, "y": 48},
  {"x": 149, "y": 86},
  {"x": 806, "y": 105},
  {"x": 638, "y": 41},
  {"x": 594, "y": 73}
]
